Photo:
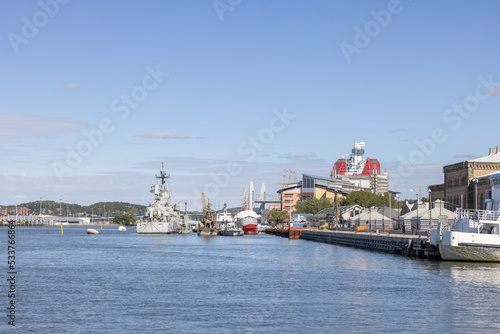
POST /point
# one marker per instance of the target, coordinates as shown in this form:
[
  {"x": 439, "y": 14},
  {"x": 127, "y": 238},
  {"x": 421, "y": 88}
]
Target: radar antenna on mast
[{"x": 163, "y": 175}]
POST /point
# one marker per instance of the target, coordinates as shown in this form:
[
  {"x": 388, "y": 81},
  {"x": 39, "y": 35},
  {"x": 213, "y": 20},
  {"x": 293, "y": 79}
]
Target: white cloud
[
  {"x": 26, "y": 126},
  {"x": 165, "y": 135},
  {"x": 300, "y": 156},
  {"x": 466, "y": 156},
  {"x": 70, "y": 86}
]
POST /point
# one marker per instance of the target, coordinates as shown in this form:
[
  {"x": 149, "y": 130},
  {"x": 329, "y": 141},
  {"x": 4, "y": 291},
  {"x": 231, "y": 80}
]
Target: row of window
[{"x": 456, "y": 182}]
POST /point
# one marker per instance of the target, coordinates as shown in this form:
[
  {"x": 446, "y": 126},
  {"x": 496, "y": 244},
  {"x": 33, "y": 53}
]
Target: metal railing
[{"x": 477, "y": 214}]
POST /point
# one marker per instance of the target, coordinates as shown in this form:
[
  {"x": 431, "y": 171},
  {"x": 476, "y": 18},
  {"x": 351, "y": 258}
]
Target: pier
[
  {"x": 407, "y": 245},
  {"x": 285, "y": 233}
]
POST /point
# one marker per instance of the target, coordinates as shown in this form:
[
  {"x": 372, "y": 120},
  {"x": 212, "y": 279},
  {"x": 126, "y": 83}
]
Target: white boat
[
  {"x": 122, "y": 228},
  {"x": 92, "y": 231},
  {"x": 225, "y": 217},
  {"x": 162, "y": 216},
  {"x": 230, "y": 229},
  {"x": 247, "y": 219},
  {"x": 475, "y": 234}
]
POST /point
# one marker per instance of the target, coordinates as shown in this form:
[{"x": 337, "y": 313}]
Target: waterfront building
[
  {"x": 422, "y": 218},
  {"x": 290, "y": 195},
  {"x": 329, "y": 215},
  {"x": 364, "y": 173},
  {"x": 371, "y": 217},
  {"x": 459, "y": 187}
]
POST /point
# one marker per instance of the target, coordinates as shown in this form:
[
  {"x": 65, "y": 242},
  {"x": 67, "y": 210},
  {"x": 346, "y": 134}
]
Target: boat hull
[
  {"x": 251, "y": 229},
  {"x": 92, "y": 231},
  {"x": 233, "y": 232},
  {"x": 462, "y": 246},
  {"x": 468, "y": 253},
  {"x": 155, "y": 228},
  {"x": 207, "y": 232}
]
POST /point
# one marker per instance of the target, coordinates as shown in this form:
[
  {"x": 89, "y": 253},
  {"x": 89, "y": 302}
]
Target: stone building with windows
[{"x": 460, "y": 179}]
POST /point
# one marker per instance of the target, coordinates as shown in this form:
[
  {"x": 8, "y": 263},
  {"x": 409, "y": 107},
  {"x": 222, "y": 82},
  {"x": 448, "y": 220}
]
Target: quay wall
[{"x": 408, "y": 245}]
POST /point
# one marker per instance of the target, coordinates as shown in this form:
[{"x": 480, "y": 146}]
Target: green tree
[
  {"x": 368, "y": 199},
  {"x": 313, "y": 205},
  {"x": 126, "y": 219},
  {"x": 276, "y": 217}
]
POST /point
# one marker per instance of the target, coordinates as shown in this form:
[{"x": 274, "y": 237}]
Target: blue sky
[{"x": 417, "y": 81}]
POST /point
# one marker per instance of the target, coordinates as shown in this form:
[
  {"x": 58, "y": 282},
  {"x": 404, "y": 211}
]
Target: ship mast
[{"x": 163, "y": 175}]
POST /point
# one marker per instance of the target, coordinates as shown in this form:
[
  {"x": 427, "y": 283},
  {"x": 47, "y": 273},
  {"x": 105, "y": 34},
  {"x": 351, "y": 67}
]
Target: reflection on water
[{"x": 123, "y": 282}]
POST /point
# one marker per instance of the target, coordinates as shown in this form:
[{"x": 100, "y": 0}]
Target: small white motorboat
[{"x": 122, "y": 228}]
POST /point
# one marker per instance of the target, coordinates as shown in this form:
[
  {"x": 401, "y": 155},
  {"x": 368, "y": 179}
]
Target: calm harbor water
[{"x": 121, "y": 282}]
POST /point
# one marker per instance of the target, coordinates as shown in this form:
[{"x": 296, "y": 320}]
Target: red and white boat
[{"x": 247, "y": 219}]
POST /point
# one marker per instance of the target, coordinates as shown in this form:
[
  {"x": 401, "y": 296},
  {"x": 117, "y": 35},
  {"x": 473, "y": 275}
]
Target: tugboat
[
  {"x": 208, "y": 225},
  {"x": 162, "y": 216},
  {"x": 475, "y": 234}
]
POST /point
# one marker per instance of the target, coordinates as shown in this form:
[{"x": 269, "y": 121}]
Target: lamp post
[
  {"x": 397, "y": 203},
  {"x": 475, "y": 181},
  {"x": 417, "y": 212},
  {"x": 40, "y": 206},
  {"x": 370, "y": 219},
  {"x": 430, "y": 207},
  {"x": 60, "y": 206}
]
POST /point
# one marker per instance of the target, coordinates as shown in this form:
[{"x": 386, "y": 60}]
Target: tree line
[{"x": 99, "y": 209}]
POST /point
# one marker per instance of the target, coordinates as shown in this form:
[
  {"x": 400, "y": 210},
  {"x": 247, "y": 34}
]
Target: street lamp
[
  {"x": 430, "y": 207},
  {"x": 417, "y": 198},
  {"x": 475, "y": 181},
  {"x": 397, "y": 206},
  {"x": 60, "y": 205},
  {"x": 40, "y": 206}
]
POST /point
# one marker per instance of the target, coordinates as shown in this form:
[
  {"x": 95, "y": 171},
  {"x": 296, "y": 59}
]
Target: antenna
[{"x": 163, "y": 175}]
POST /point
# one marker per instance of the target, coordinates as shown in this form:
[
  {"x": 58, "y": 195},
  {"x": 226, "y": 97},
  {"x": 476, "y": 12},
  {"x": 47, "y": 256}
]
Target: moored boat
[
  {"x": 162, "y": 216},
  {"x": 207, "y": 226},
  {"x": 230, "y": 229},
  {"x": 475, "y": 234},
  {"x": 247, "y": 219},
  {"x": 92, "y": 231}
]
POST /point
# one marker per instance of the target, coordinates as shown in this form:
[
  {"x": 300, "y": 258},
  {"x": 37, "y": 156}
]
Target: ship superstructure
[{"x": 162, "y": 216}]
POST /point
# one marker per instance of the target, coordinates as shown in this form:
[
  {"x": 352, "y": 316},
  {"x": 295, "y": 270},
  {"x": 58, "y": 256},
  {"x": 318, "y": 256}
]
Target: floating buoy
[{"x": 92, "y": 231}]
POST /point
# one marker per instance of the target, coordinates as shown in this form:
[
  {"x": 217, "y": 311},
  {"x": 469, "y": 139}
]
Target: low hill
[{"x": 100, "y": 209}]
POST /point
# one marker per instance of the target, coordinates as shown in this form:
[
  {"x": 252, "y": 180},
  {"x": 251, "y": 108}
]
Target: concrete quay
[{"x": 407, "y": 245}]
